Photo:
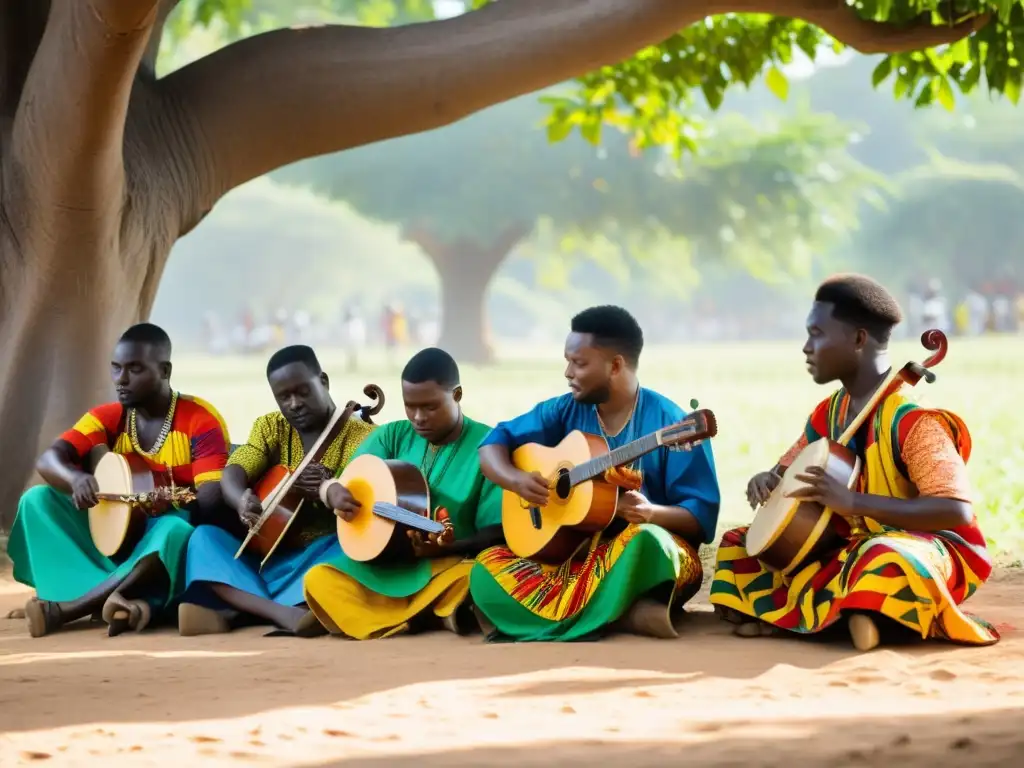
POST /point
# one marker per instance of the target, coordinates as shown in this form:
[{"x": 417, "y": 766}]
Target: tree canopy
[{"x": 935, "y": 50}]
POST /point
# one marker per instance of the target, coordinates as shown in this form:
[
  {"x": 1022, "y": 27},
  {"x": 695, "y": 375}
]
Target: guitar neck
[
  {"x": 401, "y": 515},
  {"x": 620, "y": 456}
]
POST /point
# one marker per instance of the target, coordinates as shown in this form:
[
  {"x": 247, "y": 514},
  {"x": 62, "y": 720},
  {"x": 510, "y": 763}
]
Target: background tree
[
  {"x": 470, "y": 193},
  {"x": 104, "y": 165}
]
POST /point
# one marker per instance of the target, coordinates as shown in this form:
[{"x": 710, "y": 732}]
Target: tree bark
[{"x": 465, "y": 268}]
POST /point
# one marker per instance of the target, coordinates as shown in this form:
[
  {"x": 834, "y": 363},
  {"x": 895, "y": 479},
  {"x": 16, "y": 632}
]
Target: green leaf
[
  {"x": 944, "y": 92},
  {"x": 777, "y": 83},
  {"x": 558, "y": 129},
  {"x": 882, "y": 71}
]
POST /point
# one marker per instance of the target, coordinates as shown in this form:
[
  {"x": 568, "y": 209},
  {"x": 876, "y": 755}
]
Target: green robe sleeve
[{"x": 488, "y": 509}]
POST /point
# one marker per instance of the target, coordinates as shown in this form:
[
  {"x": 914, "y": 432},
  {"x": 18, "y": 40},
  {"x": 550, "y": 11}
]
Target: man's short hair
[
  {"x": 432, "y": 364},
  {"x": 863, "y": 302},
  {"x": 613, "y": 328},
  {"x": 297, "y": 353}
]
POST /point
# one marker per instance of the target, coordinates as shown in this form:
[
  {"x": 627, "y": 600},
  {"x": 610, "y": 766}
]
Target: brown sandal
[
  {"x": 43, "y": 617},
  {"x": 122, "y": 615}
]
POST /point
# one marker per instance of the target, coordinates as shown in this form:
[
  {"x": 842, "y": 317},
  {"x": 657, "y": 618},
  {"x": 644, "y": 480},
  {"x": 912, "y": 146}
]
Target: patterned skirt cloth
[
  {"x": 915, "y": 579},
  {"x": 527, "y": 600}
]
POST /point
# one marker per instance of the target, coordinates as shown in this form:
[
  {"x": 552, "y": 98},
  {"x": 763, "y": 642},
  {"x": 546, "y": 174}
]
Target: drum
[{"x": 786, "y": 532}]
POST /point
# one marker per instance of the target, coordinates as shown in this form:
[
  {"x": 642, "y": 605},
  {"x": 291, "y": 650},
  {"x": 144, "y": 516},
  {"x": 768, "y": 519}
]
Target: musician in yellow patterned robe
[
  {"x": 915, "y": 551},
  {"x": 222, "y": 591}
]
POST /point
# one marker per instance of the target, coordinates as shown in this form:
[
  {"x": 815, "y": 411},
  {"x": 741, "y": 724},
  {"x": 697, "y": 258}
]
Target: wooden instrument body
[
  {"x": 573, "y": 514},
  {"x": 276, "y": 527},
  {"x": 786, "y": 533},
  {"x": 372, "y": 481},
  {"x": 117, "y": 527}
]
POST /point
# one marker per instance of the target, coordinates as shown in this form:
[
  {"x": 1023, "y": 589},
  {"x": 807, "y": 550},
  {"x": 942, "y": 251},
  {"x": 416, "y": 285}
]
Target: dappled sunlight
[{"x": 571, "y": 707}]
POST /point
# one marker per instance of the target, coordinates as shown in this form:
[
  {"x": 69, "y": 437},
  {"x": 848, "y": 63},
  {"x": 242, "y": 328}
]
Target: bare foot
[
  {"x": 863, "y": 632},
  {"x": 309, "y": 626},
  {"x": 196, "y": 620},
  {"x": 650, "y": 618},
  {"x": 43, "y": 617},
  {"x": 755, "y": 628},
  {"x": 122, "y": 615}
]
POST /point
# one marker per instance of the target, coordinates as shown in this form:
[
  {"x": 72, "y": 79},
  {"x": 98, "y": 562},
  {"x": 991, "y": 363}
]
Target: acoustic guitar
[
  {"x": 786, "y": 533},
  {"x": 281, "y": 503},
  {"x": 583, "y": 500},
  {"x": 129, "y": 494},
  {"x": 394, "y": 498}
]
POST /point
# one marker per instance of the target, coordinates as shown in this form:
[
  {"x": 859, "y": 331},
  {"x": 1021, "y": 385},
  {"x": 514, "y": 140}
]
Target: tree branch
[
  {"x": 276, "y": 98},
  {"x": 286, "y": 95},
  {"x": 70, "y": 123}
]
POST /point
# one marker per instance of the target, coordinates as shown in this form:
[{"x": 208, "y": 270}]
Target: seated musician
[
  {"x": 915, "y": 552},
  {"x": 223, "y": 592},
  {"x": 50, "y": 542},
  {"x": 361, "y": 600},
  {"x": 646, "y": 566}
]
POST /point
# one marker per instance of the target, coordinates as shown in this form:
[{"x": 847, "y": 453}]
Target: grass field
[{"x": 760, "y": 393}]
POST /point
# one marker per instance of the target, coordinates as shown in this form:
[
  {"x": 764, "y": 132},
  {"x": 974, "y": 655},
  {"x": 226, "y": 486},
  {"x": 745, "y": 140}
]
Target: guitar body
[
  {"x": 376, "y": 482},
  {"x": 572, "y": 515},
  {"x": 273, "y": 533},
  {"x": 117, "y": 527}
]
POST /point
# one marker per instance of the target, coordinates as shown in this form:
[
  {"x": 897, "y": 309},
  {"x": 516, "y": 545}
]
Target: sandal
[
  {"x": 43, "y": 617},
  {"x": 122, "y": 615},
  {"x": 755, "y": 629},
  {"x": 863, "y": 632}
]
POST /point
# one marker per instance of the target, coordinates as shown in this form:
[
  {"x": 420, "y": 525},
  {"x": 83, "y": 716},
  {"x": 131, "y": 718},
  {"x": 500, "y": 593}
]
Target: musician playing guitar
[
  {"x": 50, "y": 544},
  {"x": 646, "y": 566},
  {"x": 222, "y": 591},
  {"x": 915, "y": 551},
  {"x": 364, "y": 600}
]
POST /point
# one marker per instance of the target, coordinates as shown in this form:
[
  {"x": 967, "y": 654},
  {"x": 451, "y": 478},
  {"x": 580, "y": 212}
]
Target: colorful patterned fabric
[
  {"x": 274, "y": 441},
  {"x": 558, "y": 593},
  {"x": 365, "y": 600},
  {"x": 914, "y": 578},
  {"x": 195, "y": 451}
]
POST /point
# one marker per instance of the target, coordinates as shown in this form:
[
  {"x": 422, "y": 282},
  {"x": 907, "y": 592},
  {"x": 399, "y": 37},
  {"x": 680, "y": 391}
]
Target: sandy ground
[{"x": 80, "y": 698}]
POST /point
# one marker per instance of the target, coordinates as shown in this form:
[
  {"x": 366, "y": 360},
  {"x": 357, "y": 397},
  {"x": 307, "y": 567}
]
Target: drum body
[
  {"x": 786, "y": 533},
  {"x": 117, "y": 526}
]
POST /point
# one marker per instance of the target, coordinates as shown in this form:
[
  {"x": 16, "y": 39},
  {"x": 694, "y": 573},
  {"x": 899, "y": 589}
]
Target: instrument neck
[{"x": 588, "y": 470}]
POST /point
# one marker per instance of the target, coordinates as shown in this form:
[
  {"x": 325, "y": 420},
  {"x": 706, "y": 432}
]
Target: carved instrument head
[
  {"x": 300, "y": 387},
  {"x": 602, "y": 353},
  {"x": 431, "y": 392},
  {"x": 850, "y": 323},
  {"x": 141, "y": 365}
]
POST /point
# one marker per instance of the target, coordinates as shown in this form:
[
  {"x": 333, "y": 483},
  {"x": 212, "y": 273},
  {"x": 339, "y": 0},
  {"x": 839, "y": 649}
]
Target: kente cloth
[
  {"x": 917, "y": 579},
  {"x": 527, "y": 600},
  {"x": 371, "y": 600},
  {"x": 274, "y": 441},
  {"x": 50, "y": 543}
]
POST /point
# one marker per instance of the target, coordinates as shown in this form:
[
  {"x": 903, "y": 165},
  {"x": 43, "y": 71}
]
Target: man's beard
[{"x": 596, "y": 396}]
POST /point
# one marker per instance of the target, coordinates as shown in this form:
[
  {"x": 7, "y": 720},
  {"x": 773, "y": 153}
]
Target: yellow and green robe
[
  {"x": 917, "y": 579},
  {"x": 367, "y": 600}
]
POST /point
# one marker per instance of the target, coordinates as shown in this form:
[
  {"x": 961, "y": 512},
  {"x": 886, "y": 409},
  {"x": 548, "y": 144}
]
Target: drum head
[
  {"x": 369, "y": 480},
  {"x": 775, "y": 513},
  {"x": 108, "y": 520}
]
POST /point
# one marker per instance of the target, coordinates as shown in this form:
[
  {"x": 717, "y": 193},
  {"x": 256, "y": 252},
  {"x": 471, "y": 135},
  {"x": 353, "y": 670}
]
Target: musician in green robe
[{"x": 367, "y": 600}]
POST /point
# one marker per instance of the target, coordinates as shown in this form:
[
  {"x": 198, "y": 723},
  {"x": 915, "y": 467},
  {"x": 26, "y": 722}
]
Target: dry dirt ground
[{"x": 81, "y": 698}]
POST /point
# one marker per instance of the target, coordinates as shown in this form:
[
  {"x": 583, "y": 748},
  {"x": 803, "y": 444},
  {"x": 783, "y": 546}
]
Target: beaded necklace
[{"x": 165, "y": 430}]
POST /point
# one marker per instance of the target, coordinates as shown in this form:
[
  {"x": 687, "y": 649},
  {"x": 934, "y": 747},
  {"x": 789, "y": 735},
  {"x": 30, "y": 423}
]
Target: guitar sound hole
[{"x": 562, "y": 487}]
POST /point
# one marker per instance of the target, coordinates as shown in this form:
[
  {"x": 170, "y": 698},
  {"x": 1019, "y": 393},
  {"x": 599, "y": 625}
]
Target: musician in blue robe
[{"x": 638, "y": 575}]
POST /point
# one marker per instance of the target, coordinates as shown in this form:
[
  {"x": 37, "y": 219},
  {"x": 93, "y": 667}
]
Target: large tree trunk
[
  {"x": 465, "y": 268},
  {"x": 102, "y": 167}
]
